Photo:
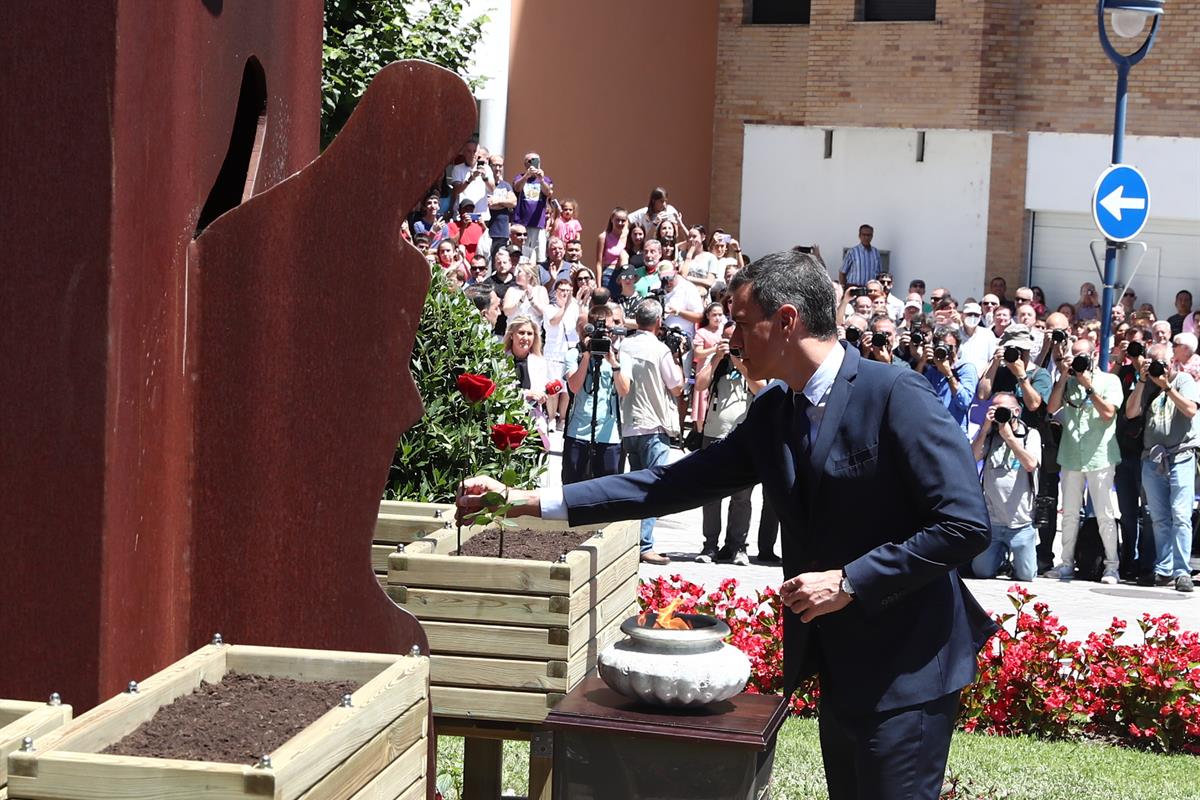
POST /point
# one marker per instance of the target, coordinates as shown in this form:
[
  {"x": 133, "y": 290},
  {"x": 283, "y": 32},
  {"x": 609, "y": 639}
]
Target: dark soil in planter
[
  {"x": 234, "y": 721},
  {"x": 525, "y": 543}
]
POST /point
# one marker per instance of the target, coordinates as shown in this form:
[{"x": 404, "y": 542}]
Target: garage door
[{"x": 1060, "y": 260}]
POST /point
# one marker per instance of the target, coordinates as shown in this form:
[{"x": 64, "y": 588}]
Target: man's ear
[{"x": 788, "y": 319}]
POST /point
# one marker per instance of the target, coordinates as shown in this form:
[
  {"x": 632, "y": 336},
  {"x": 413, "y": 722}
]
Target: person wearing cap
[
  {"x": 979, "y": 343},
  {"x": 467, "y": 230},
  {"x": 1012, "y": 370},
  {"x": 913, "y": 307},
  {"x": 1088, "y": 453},
  {"x": 628, "y": 297},
  {"x": 1168, "y": 403}
]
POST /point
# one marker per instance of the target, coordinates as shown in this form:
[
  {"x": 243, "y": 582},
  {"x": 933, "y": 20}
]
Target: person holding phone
[
  {"x": 466, "y": 231},
  {"x": 472, "y": 178},
  {"x": 535, "y": 190}
]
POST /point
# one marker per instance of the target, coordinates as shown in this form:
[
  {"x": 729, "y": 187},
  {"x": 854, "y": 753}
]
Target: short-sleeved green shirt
[{"x": 1088, "y": 442}]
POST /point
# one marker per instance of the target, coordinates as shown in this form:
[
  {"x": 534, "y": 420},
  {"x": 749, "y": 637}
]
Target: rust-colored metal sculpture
[{"x": 200, "y": 404}]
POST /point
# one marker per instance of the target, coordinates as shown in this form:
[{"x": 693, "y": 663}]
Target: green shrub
[{"x": 451, "y": 441}]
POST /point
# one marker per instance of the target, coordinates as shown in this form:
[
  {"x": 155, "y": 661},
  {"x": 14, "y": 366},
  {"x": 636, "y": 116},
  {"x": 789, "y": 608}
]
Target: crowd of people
[{"x": 623, "y": 345}]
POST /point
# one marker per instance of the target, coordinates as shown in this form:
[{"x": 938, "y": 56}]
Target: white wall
[
  {"x": 932, "y": 216},
  {"x": 491, "y": 62},
  {"x": 1062, "y": 169}
]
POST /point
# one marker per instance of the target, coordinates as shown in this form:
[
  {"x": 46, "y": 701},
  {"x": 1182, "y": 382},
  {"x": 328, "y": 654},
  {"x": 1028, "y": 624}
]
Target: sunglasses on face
[{"x": 987, "y": 303}]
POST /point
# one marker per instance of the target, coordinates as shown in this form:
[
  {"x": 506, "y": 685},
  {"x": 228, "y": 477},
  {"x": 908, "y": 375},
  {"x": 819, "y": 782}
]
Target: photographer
[
  {"x": 1011, "y": 371},
  {"x": 882, "y": 342},
  {"x": 1137, "y": 534},
  {"x": 953, "y": 384},
  {"x": 1167, "y": 399},
  {"x": 1088, "y": 452},
  {"x": 592, "y": 442},
  {"x": 648, "y": 413},
  {"x": 730, "y": 392},
  {"x": 1010, "y": 451},
  {"x": 913, "y": 336}
]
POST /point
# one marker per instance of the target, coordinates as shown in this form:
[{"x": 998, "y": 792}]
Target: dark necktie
[{"x": 802, "y": 426}]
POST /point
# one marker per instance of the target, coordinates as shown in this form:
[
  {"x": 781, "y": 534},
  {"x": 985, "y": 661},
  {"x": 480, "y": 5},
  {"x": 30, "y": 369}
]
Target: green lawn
[{"x": 989, "y": 767}]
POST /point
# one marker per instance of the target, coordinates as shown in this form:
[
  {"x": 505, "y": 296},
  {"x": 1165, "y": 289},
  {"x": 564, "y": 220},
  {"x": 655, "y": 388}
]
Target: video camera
[
  {"x": 675, "y": 339},
  {"x": 600, "y": 336}
]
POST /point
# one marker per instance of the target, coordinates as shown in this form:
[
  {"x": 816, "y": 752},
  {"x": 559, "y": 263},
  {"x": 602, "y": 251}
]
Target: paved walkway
[{"x": 1082, "y": 606}]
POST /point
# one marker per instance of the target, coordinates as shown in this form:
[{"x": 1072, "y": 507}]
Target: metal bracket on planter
[
  {"x": 541, "y": 744},
  {"x": 1098, "y": 260}
]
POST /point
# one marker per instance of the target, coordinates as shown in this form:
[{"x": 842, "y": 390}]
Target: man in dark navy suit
[{"x": 875, "y": 488}]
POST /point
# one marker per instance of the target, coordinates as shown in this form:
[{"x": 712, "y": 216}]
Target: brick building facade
[{"x": 1007, "y": 68}]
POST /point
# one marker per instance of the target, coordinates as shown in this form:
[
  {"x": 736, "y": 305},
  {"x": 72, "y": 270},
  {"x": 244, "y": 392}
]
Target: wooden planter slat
[
  {"x": 502, "y": 609},
  {"x": 335, "y": 757},
  {"x": 584, "y": 598},
  {"x": 461, "y": 638},
  {"x": 360, "y": 769},
  {"x": 518, "y": 576},
  {"x": 403, "y": 778},
  {"x": 404, "y": 528},
  {"x": 20, "y": 718},
  {"x": 492, "y": 704},
  {"x": 584, "y": 659},
  {"x": 499, "y": 673}
]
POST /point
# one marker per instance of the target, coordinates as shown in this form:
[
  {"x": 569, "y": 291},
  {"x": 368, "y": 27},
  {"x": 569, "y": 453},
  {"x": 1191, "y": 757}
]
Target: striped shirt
[{"x": 861, "y": 265}]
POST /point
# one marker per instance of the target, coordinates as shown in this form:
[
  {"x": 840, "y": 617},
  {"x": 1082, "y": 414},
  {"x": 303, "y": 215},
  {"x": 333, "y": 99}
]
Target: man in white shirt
[
  {"x": 472, "y": 179},
  {"x": 648, "y": 414},
  {"x": 895, "y": 304},
  {"x": 979, "y": 343},
  {"x": 682, "y": 302}
]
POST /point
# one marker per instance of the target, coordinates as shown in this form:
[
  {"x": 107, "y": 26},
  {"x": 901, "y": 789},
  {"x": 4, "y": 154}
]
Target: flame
[{"x": 665, "y": 619}]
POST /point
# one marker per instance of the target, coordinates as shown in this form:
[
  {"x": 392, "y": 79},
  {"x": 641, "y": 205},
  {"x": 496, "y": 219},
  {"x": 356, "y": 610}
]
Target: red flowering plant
[
  {"x": 1033, "y": 679},
  {"x": 507, "y": 437}
]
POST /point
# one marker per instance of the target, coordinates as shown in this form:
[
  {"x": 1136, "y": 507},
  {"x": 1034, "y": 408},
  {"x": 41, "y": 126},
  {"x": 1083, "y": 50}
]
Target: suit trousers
[{"x": 888, "y": 755}]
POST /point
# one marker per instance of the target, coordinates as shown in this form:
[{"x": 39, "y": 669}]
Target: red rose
[
  {"x": 554, "y": 387},
  {"x": 508, "y": 436},
  {"x": 476, "y": 388}
]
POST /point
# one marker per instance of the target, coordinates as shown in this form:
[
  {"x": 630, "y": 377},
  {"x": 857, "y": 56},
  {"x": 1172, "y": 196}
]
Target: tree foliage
[
  {"x": 451, "y": 441},
  {"x": 363, "y": 36}
]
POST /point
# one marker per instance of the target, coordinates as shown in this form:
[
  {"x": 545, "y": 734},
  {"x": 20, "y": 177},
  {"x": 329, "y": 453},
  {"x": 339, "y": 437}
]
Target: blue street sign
[{"x": 1121, "y": 203}]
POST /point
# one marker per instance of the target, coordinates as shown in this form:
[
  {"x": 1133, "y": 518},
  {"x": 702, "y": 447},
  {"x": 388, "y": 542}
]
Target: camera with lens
[
  {"x": 1002, "y": 414},
  {"x": 1012, "y": 354},
  {"x": 675, "y": 339},
  {"x": 1080, "y": 363},
  {"x": 853, "y": 335},
  {"x": 879, "y": 339},
  {"x": 1058, "y": 336},
  {"x": 917, "y": 339},
  {"x": 941, "y": 353},
  {"x": 1157, "y": 369},
  {"x": 600, "y": 336},
  {"x": 1135, "y": 349},
  {"x": 860, "y": 291}
]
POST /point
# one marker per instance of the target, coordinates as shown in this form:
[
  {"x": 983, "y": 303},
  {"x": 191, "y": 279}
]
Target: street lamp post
[{"x": 1129, "y": 19}]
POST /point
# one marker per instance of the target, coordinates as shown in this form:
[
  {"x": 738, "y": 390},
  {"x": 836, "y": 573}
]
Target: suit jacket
[{"x": 889, "y": 495}]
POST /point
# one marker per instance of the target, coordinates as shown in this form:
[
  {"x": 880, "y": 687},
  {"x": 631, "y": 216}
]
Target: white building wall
[
  {"x": 1062, "y": 169},
  {"x": 931, "y": 215},
  {"x": 491, "y": 62}
]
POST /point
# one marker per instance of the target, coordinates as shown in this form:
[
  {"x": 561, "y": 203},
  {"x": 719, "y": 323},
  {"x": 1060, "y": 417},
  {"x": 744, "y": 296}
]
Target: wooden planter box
[
  {"x": 19, "y": 719},
  {"x": 376, "y": 748},
  {"x": 509, "y": 637},
  {"x": 411, "y": 525}
]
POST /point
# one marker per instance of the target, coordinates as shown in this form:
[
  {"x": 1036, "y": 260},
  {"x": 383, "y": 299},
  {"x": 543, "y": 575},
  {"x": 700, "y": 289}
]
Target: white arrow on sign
[{"x": 1116, "y": 202}]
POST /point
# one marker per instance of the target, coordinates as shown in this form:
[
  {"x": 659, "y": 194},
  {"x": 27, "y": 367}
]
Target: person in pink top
[
  {"x": 610, "y": 245},
  {"x": 708, "y": 336},
  {"x": 566, "y": 226}
]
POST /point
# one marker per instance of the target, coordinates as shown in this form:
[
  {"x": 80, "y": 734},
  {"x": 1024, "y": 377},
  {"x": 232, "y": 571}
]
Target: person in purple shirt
[{"x": 535, "y": 190}]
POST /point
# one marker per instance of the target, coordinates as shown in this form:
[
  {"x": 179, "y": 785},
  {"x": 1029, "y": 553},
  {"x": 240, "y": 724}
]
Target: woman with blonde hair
[
  {"x": 526, "y": 297},
  {"x": 523, "y": 344}
]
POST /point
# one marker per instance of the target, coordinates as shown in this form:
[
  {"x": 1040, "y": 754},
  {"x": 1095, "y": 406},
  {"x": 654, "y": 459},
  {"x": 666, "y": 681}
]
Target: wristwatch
[{"x": 846, "y": 585}]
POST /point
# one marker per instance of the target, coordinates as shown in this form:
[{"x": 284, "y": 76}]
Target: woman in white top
[
  {"x": 523, "y": 343},
  {"x": 525, "y": 298},
  {"x": 654, "y": 212}
]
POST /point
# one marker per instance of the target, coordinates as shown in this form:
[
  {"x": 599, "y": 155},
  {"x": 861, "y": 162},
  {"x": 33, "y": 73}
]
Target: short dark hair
[
  {"x": 480, "y": 295},
  {"x": 600, "y": 297},
  {"x": 942, "y": 331},
  {"x": 1183, "y": 291},
  {"x": 795, "y": 279},
  {"x": 866, "y": 227}
]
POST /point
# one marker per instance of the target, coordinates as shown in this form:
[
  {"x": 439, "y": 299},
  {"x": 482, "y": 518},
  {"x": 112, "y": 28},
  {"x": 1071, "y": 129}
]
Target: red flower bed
[{"x": 1032, "y": 678}]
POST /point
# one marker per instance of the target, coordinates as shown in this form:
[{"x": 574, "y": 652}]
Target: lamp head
[{"x": 1129, "y": 17}]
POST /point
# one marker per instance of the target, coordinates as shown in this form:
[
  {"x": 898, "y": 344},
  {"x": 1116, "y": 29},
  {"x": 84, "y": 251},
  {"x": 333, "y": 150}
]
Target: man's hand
[
  {"x": 1017, "y": 368},
  {"x": 1084, "y": 379},
  {"x": 814, "y": 594},
  {"x": 473, "y": 498}
]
